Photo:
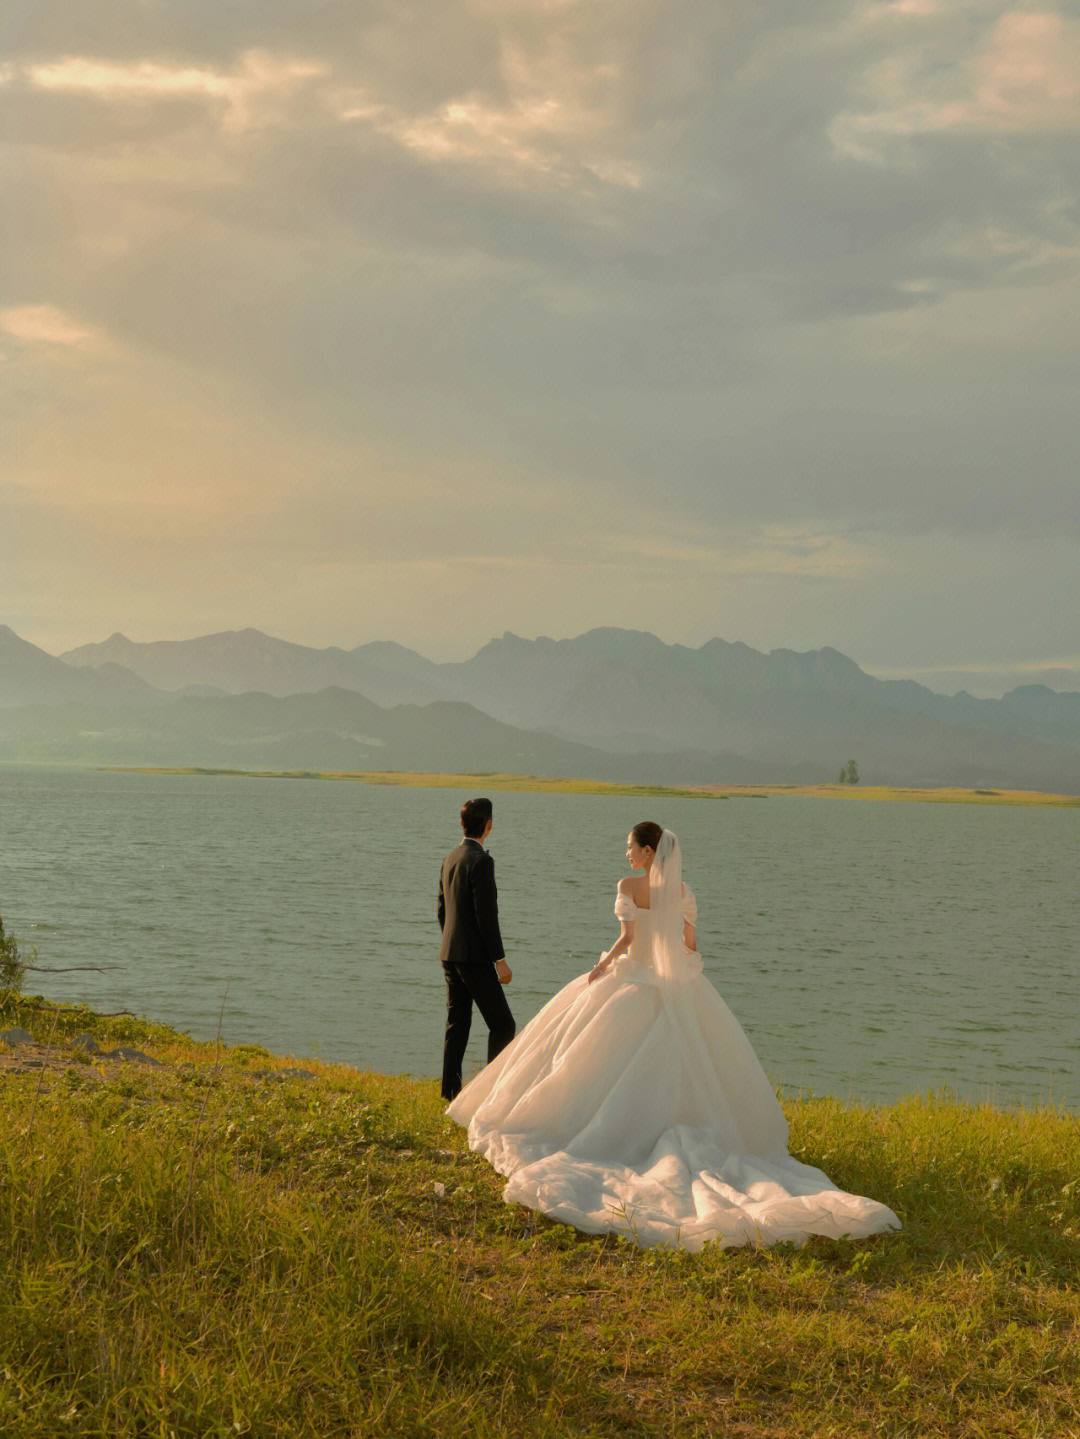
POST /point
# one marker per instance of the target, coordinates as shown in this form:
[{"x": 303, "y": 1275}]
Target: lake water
[{"x": 870, "y": 950}]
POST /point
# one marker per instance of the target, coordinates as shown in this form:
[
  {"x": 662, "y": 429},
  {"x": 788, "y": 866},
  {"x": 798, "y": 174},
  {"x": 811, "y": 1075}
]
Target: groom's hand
[{"x": 503, "y": 970}]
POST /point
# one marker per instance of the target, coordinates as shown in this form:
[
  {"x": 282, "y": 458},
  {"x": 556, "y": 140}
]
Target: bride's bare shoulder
[{"x": 633, "y": 884}]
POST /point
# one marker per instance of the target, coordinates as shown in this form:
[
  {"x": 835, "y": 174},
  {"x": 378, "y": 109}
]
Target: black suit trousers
[{"x": 467, "y": 984}]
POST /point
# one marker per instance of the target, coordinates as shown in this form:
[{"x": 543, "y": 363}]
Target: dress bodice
[
  {"x": 649, "y": 959},
  {"x": 626, "y": 909}
]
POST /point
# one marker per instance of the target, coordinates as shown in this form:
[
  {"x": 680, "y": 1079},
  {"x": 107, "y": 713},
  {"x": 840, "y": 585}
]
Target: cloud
[
  {"x": 246, "y": 95},
  {"x": 1028, "y": 75},
  {"x": 46, "y": 325},
  {"x": 1021, "y": 78},
  {"x": 767, "y": 303},
  {"x": 554, "y": 116}
]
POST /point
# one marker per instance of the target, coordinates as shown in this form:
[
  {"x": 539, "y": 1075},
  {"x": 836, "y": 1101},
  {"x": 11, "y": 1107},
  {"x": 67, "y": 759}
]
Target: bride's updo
[{"x": 647, "y": 834}]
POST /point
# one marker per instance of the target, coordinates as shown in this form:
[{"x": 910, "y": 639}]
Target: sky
[{"x": 425, "y": 320}]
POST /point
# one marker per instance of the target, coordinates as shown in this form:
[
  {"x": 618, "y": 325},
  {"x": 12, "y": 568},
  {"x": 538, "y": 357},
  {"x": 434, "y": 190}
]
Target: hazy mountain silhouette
[
  {"x": 239, "y": 661},
  {"x": 335, "y": 729},
  {"x": 720, "y": 712},
  {"x": 30, "y": 676}
]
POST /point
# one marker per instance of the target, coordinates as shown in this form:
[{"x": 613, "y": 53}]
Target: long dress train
[{"x": 637, "y": 1105}]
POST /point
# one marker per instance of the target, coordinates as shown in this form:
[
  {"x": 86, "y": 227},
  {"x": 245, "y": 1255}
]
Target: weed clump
[{"x": 13, "y": 965}]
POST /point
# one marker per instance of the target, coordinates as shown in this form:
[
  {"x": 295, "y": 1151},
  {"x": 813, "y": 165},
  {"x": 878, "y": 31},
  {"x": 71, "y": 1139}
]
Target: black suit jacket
[{"x": 468, "y": 907}]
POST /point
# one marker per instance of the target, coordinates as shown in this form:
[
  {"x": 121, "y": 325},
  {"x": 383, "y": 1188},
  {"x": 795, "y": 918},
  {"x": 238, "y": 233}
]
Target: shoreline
[
  {"x": 60, "y": 1021},
  {"x": 418, "y": 779}
]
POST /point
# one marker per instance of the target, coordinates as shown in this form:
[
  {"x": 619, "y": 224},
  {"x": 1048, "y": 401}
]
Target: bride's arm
[
  {"x": 621, "y": 945},
  {"x": 689, "y": 928}
]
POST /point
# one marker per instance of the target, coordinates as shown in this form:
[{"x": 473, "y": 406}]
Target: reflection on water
[{"x": 870, "y": 950}]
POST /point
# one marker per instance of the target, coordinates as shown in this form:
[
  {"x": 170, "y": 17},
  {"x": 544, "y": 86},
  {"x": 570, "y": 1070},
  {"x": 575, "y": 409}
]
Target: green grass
[{"x": 201, "y": 1251}]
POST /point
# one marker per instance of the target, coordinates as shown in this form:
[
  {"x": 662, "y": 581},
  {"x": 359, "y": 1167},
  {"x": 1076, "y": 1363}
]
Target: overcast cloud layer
[{"x": 424, "y": 321}]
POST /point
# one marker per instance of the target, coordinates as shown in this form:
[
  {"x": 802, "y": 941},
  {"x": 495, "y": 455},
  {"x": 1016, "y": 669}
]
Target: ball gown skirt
[{"x": 636, "y": 1105}]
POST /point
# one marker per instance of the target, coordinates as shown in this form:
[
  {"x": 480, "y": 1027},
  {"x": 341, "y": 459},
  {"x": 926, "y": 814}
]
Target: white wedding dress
[{"x": 637, "y": 1105}]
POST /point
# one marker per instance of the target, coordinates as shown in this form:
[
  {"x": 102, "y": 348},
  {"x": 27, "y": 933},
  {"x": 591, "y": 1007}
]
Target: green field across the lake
[{"x": 541, "y": 783}]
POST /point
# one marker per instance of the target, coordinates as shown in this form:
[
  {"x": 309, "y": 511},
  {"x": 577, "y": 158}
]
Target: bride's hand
[{"x": 601, "y": 968}]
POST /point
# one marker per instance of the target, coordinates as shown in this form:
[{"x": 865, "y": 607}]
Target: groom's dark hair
[{"x": 475, "y": 814}]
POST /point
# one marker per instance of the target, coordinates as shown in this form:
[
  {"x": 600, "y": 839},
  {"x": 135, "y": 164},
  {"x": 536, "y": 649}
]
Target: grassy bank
[
  {"x": 208, "y": 1248},
  {"x": 525, "y": 783}
]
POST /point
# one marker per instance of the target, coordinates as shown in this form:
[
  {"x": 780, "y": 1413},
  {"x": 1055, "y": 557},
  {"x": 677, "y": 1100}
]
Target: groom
[{"x": 472, "y": 951}]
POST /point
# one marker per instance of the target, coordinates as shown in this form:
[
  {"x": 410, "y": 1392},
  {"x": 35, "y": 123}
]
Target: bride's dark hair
[{"x": 648, "y": 832}]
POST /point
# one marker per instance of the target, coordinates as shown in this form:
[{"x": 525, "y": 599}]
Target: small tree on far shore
[{"x": 849, "y": 774}]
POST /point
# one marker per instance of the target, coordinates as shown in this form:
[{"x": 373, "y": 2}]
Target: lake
[{"x": 870, "y": 950}]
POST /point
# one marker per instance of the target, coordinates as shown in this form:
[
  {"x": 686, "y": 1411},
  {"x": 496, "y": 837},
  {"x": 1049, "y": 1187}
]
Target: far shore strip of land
[{"x": 477, "y": 780}]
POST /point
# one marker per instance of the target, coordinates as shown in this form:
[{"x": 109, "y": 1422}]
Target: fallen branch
[
  {"x": 75, "y": 1008},
  {"x": 72, "y": 969}
]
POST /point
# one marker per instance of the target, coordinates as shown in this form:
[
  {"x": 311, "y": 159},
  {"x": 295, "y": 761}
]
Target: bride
[{"x": 634, "y": 1103}]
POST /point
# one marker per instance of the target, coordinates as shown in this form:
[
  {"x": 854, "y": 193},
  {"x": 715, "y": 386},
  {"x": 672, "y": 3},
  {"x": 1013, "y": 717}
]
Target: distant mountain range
[{"x": 608, "y": 704}]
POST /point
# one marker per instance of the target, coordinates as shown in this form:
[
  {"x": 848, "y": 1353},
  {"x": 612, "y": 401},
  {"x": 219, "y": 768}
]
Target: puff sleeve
[{"x": 624, "y": 908}]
